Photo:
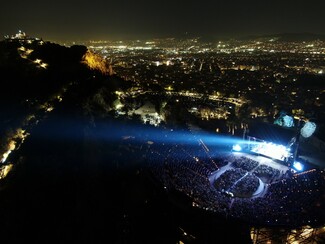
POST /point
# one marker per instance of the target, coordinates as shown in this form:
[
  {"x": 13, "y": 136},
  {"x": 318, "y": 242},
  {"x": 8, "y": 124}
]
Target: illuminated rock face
[{"x": 95, "y": 62}]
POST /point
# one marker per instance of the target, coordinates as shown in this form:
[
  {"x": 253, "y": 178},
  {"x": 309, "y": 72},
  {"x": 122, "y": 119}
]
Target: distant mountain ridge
[
  {"x": 287, "y": 37},
  {"x": 282, "y": 37}
]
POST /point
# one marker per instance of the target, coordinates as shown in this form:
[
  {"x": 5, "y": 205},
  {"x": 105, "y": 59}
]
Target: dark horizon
[
  {"x": 285, "y": 36},
  {"x": 116, "y": 20}
]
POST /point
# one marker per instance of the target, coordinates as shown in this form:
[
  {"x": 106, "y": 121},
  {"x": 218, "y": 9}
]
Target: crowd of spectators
[{"x": 286, "y": 199}]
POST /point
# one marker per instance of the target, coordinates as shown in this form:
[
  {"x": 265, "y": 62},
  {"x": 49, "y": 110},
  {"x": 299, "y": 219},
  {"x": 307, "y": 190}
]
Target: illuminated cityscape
[
  {"x": 234, "y": 129},
  {"x": 233, "y": 71}
]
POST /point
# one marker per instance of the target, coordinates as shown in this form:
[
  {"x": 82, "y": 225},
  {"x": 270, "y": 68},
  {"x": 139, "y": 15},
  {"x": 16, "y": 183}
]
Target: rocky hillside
[{"x": 35, "y": 75}]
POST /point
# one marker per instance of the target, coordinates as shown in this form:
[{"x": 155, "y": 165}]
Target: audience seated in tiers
[{"x": 286, "y": 198}]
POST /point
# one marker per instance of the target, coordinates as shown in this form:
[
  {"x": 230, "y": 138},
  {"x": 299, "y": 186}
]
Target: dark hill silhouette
[
  {"x": 33, "y": 75},
  {"x": 70, "y": 183}
]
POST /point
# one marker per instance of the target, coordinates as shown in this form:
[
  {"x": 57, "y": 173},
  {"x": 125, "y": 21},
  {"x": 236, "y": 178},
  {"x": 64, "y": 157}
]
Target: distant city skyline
[{"x": 76, "y": 20}]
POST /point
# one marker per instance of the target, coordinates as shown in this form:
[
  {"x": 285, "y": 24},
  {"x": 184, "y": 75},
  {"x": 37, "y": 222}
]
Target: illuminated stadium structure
[
  {"x": 259, "y": 179},
  {"x": 294, "y": 146},
  {"x": 251, "y": 184},
  {"x": 271, "y": 141},
  {"x": 281, "y": 142},
  {"x": 269, "y": 149}
]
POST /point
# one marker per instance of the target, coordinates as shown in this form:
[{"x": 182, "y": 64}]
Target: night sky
[{"x": 139, "y": 19}]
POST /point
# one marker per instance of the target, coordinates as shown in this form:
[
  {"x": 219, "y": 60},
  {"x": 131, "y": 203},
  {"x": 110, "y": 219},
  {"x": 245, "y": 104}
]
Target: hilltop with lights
[{"x": 35, "y": 76}]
